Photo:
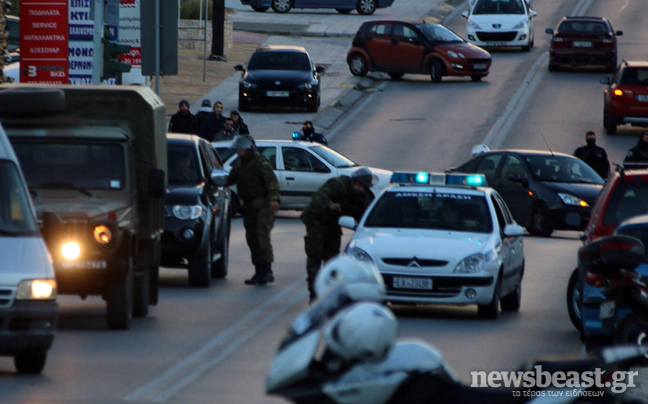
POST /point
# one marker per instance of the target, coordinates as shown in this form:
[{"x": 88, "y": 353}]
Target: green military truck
[{"x": 95, "y": 159}]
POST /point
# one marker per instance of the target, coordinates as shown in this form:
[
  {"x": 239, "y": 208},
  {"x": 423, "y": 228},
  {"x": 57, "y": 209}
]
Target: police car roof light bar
[{"x": 423, "y": 178}]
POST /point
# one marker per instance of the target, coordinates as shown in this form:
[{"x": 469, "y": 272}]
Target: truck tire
[
  {"x": 30, "y": 361},
  {"x": 219, "y": 268},
  {"x": 200, "y": 267},
  {"x": 119, "y": 300},
  {"x": 142, "y": 284}
]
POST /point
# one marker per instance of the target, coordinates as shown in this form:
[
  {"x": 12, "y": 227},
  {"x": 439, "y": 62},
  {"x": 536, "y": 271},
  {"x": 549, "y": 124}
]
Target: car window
[
  {"x": 13, "y": 41},
  {"x": 434, "y": 211},
  {"x": 381, "y": 31},
  {"x": 512, "y": 166},
  {"x": 488, "y": 166},
  {"x": 404, "y": 33},
  {"x": 225, "y": 152},
  {"x": 503, "y": 211},
  {"x": 296, "y": 159},
  {"x": 562, "y": 169},
  {"x": 634, "y": 76},
  {"x": 639, "y": 232},
  {"x": 499, "y": 212},
  {"x": 215, "y": 159},
  {"x": 629, "y": 199},
  {"x": 587, "y": 27},
  {"x": 16, "y": 216},
  {"x": 183, "y": 164},
  {"x": 332, "y": 157},
  {"x": 277, "y": 60},
  {"x": 206, "y": 160},
  {"x": 269, "y": 152},
  {"x": 499, "y": 7},
  {"x": 439, "y": 33}
]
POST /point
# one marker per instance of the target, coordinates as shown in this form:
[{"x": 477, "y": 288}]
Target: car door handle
[{"x": 290, "y": 178}]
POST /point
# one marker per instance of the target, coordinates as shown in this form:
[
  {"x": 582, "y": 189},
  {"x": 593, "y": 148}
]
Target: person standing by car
[
  {"x": 183, "y": 121},
  {"x": 204, "y": 112},
  {"x": 258, "y": 189},
  {"x": 309, "y": 134},
  {"x": 339, "y": 196},
  {"x": 639, "y": 153},
  {"x": 213, "y": 123},
  {"x": 227, "y": 132},
  {"x": 595, "y": 156},
  {"x": 239, "y": 126}
]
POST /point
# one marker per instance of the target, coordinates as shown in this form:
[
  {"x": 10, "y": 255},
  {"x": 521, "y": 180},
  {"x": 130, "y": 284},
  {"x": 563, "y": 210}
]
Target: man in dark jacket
[
  {"x": 204, "y": 111},
  {"x": 309, "y": 134},
  {"x": 595, "y": 156},
  {"x": 227, "y": 132},
  {"x": 258, "y": 189},
  {"x": 340, "y": 196},
  {"x": 183, "y": 121},
  {"x": 240, "y": 127},
  {"x": 639, "y": 153},
  {"x": 213, "y": 123}
]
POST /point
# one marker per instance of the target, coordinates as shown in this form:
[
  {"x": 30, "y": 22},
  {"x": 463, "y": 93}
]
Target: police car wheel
[{"x": 491, "y": 310}]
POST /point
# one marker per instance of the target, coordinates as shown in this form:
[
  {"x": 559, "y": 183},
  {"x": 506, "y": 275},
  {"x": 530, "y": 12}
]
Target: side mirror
[
  {"x": 549, "y": 31},
  {"x": 609, "y": 254},
  {"x": 348, "y": 222},
  {"x": 220, "y": 177},
  {"x": 51, "y": 227},
  {"x": 618, "y": 33},
  {"x": 239, "y": 68},
  {"x": 465, "y": 14},
  {"x": 532, "y": 14},
  {"x": 519, "y": 179},
  {"x": 513, "y": 230},
  {"x": 605, "y": 80},
  {"x": 156, "y": 183},
  {"x": 320, "y": 69}
]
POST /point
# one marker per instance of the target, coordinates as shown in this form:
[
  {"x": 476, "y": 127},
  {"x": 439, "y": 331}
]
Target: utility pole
[{"x": 218, "y": 31}]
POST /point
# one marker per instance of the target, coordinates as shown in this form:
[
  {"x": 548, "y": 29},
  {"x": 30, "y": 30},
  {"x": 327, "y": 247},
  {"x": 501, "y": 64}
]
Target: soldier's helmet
[
  {"x": 365, "y": 177},
  {"x": 241, "y": 143}
]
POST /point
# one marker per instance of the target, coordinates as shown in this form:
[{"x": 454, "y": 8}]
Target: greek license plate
[
  {"x": 480, "y": 66},
  {"x": 496, "y": 43},
  {"x": 642, "y": 97},
  {"x": 607, "y": 310},
  {"x": 582, "y": 44},
  {"x": 277, "y": 93},
  {"x": 412, "y": 283},
  {"x": 84, "y": 265}
]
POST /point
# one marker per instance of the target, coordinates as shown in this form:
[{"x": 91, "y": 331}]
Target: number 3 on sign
[{"x": 30, "y": 71}]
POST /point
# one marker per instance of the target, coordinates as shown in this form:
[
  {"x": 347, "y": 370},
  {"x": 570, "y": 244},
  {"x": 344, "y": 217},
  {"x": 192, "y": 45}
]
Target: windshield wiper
[{"x": 64, "y": 185}]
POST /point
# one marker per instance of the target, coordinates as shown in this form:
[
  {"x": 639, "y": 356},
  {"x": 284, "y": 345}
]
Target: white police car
[{"x": 442, "y": 239}]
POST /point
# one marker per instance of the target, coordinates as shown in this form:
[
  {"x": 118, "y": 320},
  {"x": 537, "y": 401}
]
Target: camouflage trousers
[
  {"x": 258, "y": 224},
  {"x": 322, "y": 242}
]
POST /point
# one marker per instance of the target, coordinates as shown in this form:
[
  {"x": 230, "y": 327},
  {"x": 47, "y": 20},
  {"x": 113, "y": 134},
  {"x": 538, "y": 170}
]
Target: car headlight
[
  {"x": 71, "y": 250},
  {"x": 521, "y": 24},
  {"x": 306, "y": 86},
  {"x": 247, "y": 84},
  {"x": 184, "y": 212},
  {"x": 360, "y": 255},
  {"x": 457, "y": 55},
  {"x": 102, "y": 234},
  {"x": 573, "y": 200},
  {"x": 469, "y": 265},
  {"x": 36, "y": 289},
  {"x": 473, "y": 25}
]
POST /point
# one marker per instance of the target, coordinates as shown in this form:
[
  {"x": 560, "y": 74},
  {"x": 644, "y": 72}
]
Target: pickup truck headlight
[
  {"x": 185, "y": 212},
  {"x": 102, "y": 234},
  {"x": 360, "y": 255},
  {"x": 36, "y": 289},
  {"x": 71, "y": 250},
  {"x": 471, "y": 264}
]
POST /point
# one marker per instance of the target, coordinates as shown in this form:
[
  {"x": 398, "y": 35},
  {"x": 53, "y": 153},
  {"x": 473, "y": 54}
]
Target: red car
[
  {"x": 400, "y": 47},
  {"x": 626, "y": 97},
  {"x": 583, "y": 41}
]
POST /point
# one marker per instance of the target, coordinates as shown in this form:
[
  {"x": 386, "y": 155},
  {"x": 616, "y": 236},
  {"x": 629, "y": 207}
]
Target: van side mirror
[{"x": 156, "y": 183}]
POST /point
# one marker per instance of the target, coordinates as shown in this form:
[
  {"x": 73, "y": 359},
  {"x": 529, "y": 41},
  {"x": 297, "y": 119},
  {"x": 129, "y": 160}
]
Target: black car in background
[
  {"x": 197, "y": 217},
  {"x": 279, "y": 76},
  {"x": 545, "y": 191}
]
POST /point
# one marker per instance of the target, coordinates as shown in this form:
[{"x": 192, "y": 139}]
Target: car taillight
[
  {"x": 557, "y": 41},
  {"x": 617, "y": 92},
  {"x": 594, "y": 280},
  {"x": 607, "y": 43}
]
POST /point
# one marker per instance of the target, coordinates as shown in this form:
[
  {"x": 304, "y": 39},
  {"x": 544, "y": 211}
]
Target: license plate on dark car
[
  {"x": 642, "y": 97},
  {"x": 277, "y": 93},
  {"x": 480, "y": 66}
]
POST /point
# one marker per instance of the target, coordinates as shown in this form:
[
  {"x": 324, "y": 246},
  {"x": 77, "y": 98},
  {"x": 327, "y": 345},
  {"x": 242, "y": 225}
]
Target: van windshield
[
  {"x": 77, "y": 166},
  {"x": 16, "y": 214}
]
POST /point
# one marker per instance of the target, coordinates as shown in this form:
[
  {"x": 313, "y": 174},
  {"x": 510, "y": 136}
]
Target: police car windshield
[
  {"x": 431, "y": 210},
  {"x": 332, "y": 157},
  {"x": 16, "y": 215},
  {"x": 562, "y": 169}
]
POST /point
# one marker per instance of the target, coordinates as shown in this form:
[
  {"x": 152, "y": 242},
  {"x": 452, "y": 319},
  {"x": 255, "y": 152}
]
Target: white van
[{"x": 28, "y": 309}]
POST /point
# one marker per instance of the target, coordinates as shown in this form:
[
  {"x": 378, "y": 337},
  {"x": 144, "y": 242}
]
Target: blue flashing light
[
  {"x": 472, "y": 180},
  {"x": 422, "y": 178},
  {"x": 296, "y": 135},
  {"x": 461, "y": 179}
]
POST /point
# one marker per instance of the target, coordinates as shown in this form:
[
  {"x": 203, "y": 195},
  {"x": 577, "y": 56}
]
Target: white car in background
[
  {"x": 314, "y": 164},
  {"x": 500, "y": 23}
]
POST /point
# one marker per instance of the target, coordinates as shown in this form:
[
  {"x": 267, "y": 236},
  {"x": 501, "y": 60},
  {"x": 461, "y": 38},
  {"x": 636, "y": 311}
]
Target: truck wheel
[
  {"x": 219, "y": 268},
  {"x": 200, "y": 267},
  {"x": 30, "y": 361},
  {"x": 119, "y": 299},
  {"x": 141, "y": 293}
]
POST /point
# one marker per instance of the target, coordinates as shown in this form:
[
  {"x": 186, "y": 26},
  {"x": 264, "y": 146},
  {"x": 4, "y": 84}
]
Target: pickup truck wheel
[
  {"x": 119, "y": 300},
  {"x": 141, "y": 294},
  {"x": 219, "y": 268},
  {"x": 30, "y": 361},
  {"x": 200, "y": 267}
]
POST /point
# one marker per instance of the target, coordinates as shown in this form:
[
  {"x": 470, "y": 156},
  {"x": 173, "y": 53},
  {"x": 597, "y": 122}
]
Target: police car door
[
  {"x": 512, "y": 249},
  {"x": 301, "y": 174}
]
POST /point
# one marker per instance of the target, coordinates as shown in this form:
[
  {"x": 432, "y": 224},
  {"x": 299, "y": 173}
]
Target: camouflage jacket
[
  {"x": 336, "y": 190},
  {"x": 256, "y": 182}
]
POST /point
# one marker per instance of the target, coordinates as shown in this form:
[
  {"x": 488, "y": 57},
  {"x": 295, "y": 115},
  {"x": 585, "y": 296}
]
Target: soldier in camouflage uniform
[
  {"x": 340, "y": 196},
  {"x": 258, "y": 189}
]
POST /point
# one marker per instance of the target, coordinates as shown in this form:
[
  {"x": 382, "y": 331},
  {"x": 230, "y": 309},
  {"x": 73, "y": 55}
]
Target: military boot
[
  {"x": 268, "y": 272},
  {"x": 258, "y": 274}
]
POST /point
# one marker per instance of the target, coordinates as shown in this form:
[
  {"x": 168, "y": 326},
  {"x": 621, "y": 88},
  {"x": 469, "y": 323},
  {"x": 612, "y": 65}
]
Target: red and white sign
[{"x": 129, "y": 31}]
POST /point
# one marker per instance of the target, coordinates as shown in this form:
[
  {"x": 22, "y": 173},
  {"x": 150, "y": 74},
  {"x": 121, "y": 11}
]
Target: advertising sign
[{"x": 81, "y": 47}]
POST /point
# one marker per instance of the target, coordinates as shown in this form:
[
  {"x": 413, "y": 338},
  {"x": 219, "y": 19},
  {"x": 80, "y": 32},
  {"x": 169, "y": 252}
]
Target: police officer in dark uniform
[
  {"x": 595, "y": 156},
  {"x": 340, "y": 196},
  {"x": 258, "y": 189},
  {"x": 639, "y": 153}
]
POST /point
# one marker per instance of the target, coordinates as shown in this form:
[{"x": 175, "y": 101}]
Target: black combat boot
[
  {"x": 268, "y": 272},
  {"x": 258, "y": 274}
]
